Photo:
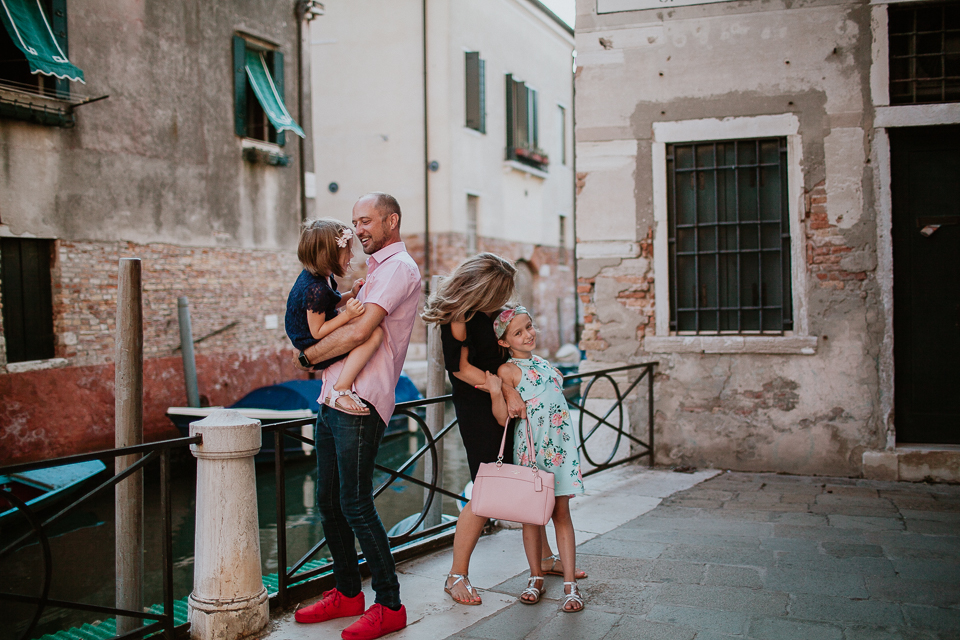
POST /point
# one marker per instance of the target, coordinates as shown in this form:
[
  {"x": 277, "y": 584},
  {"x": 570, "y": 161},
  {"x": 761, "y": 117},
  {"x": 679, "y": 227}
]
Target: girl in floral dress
[{"x": 540, "y": 386}]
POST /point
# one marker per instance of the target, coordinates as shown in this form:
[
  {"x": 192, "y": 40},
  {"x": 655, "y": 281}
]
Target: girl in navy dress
[{"x": 315, "y": 308}]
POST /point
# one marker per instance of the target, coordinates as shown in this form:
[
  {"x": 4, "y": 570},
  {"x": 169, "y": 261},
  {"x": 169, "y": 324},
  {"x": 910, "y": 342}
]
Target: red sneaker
[
  {"x": 332, "y": 605},
  {"x": 377, "y": 621}
]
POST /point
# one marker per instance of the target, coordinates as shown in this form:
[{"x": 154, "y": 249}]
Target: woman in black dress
[{"x": 464, "y": 307}]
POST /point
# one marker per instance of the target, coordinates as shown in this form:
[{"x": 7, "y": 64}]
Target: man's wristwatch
[{"x": 304, "y": 360}]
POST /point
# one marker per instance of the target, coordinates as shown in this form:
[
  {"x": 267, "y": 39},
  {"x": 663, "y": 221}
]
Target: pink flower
[
  {"x": 556, "y": 419},
  {"x": 533, "y": 375},
  {"x": 557, "y": 459}
]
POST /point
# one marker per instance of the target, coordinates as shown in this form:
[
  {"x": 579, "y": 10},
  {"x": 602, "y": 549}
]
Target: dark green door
[{"x": 925, "y": 183}]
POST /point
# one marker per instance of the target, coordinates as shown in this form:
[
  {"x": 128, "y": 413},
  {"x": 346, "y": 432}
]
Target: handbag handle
[{"x": 503, "y": 442}]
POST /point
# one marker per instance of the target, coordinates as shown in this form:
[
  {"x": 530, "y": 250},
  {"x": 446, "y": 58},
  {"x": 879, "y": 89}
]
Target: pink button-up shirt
[{"x": 393, "y": 283}]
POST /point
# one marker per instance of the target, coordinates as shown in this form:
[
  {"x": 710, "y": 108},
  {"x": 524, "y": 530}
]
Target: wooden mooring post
[
  {"x": 435, "y": 387},
  {"x": 128, "y": 494}
]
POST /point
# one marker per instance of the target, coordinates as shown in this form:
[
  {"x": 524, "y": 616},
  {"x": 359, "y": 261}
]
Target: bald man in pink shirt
[{"x": 346, "y": 444}]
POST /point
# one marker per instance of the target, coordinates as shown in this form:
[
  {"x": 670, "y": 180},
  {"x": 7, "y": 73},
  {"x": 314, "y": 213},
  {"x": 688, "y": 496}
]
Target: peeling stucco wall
[
  {"x": 157, "y": 161},
  {"x": 804, "y": 403}
]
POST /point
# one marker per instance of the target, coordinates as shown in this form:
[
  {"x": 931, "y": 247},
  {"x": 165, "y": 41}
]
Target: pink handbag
[{"x": 513, "y": 492}]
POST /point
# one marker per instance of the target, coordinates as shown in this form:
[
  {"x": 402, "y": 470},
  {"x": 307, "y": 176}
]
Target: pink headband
[{"x": 502, "y": 320}]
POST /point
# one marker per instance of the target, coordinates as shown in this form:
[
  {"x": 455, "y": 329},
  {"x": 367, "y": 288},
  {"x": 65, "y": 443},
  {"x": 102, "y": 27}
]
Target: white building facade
[
  {"x": 464, "y": 183},
  {"x": 768, "y": 209}
]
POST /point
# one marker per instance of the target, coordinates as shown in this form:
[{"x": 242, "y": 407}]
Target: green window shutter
[
  {"x": 522, "y": 135},
  {"x": 58, "y": 21},
  {"x": 239, "y": 86},
  {"x": 511, "y": 117},
  {"x": 278, "y": 82},
  {"x": 534, "y": 133},
  {"x": 483, "y": 96},
  {"x": 472, "y": 82}
]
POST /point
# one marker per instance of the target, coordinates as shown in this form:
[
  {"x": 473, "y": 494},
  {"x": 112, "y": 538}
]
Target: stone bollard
[{"x": 229, "y": 600}]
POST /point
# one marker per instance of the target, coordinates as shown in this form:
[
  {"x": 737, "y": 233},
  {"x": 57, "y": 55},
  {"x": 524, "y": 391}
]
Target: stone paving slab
[
  {"x": 614, "y": 498},
  {"x": 763, "y": 557}
]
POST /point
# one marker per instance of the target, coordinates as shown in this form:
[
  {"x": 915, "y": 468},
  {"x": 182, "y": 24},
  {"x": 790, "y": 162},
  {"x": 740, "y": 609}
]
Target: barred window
[
  {"x": 924, "y": 53},
  {"x": 729, "y": 237}
]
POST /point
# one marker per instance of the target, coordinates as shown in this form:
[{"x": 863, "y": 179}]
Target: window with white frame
[{"x": 727, "y": 205}]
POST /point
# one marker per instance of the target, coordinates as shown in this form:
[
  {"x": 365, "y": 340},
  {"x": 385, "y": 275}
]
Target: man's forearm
[{"x": 341, "y": 341}]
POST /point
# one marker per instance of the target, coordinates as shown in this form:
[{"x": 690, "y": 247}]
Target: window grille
[
  {"x": 924, "y": 42},
  {"x": 728, "y": 237}
]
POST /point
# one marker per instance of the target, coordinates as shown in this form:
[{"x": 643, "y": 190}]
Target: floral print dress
[{"x": 553, "y": 437}]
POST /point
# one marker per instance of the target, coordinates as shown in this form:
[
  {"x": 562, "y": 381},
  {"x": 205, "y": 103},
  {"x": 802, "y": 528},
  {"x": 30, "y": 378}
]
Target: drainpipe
[
  {"x": 303, "y": 10},
  {"x": 577, "y": 327},
  {"x": 426, "y": 164}
]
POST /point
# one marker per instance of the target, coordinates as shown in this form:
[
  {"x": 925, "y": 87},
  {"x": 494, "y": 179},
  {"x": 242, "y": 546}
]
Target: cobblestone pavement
[{"x": 762, "y": 556}]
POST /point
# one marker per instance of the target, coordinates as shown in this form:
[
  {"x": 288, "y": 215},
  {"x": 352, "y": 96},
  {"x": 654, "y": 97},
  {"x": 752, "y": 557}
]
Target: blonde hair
[
  {"x": 483, "y": 282},
  {"x": 318, "y": 251}
]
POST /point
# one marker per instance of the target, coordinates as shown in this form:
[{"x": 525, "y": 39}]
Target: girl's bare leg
[
  {"x": 469, "y": 528},
  {"x": 354, "y": 362},
  {"x": 547, "y": 563},
  {"x": 532, "y": 549},
  {"x": 566, "y": 543}
]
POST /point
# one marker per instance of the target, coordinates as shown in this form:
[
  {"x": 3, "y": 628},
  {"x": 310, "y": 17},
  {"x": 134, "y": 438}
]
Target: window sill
[
  {"x": 35, "y": 365},
  {"x": 783, "y": 345},
  {"x": 260, "y": 152},
  {"x": 524, "y": 168},
  {"x": 50, "y": 112},
  {"x": 917, "y": 115}
]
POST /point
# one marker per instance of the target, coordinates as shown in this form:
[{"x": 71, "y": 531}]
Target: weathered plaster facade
[
  {"x": 155, "y": 171},
  {"x": 813, "y": 400}
]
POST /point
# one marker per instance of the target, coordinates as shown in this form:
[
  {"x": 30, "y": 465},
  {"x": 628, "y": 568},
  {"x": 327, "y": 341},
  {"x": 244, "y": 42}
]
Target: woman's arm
[
  {"x": 469, "y": 373},
  {"x": 320, "y": 328},
  {"x": 497, "y": 404}
]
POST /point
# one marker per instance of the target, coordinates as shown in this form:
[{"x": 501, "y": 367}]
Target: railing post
[
  {"x": 650, "y": 411},
  {"x": 128, "y": 495},
  {"x": 229, "y": 600},
  {"x": 435, "y": 387}
]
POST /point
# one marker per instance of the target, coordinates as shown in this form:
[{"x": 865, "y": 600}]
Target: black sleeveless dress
[{"x": 478, "y": 428}]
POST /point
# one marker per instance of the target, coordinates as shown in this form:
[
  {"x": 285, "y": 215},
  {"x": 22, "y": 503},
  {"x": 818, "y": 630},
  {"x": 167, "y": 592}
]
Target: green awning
[
  {"x": 30, "y": 30},
  {"x": 267, "y": 95}
]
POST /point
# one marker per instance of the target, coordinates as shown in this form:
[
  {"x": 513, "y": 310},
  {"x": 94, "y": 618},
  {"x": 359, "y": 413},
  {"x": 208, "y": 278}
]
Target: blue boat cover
[{"x": 302, "y": 394}]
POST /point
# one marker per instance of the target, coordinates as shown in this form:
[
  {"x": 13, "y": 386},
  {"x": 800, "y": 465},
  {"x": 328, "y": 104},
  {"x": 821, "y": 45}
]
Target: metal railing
[
  {"x": 163, "y": 622},
  {"x": 406, "y": 544},
  {"x": 289, "y": 576}
]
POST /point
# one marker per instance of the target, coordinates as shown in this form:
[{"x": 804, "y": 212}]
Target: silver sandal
[
  {"x": 335, "y": 395},
  {"x": 465, "y": 579},
  {"x": 552, "y": 571},
  {"x": 573, "y": 596},
  {"x": 533, "y": 591}
]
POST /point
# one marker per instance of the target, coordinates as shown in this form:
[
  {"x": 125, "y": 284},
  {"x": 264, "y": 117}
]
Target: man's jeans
[{"x": 346, "y": 449}]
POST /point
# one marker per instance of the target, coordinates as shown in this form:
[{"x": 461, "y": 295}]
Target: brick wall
[
  {"x": 829, "y": 259},
  {"x": 229, "y": 289},
  {"x": 70, "y": 409}
]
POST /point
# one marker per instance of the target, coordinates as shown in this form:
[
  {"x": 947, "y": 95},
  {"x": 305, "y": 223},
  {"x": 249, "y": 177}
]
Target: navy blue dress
[{"x": 317, "y": 294}]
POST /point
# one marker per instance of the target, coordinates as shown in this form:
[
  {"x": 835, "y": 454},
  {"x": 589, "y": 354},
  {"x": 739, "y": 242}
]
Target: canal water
[{"x": 82, "y": 543}]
